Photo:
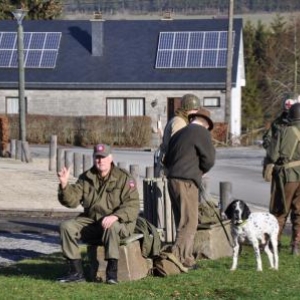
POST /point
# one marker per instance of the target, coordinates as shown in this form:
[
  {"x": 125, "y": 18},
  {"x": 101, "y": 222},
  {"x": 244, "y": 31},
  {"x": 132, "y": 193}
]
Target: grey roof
[{"x": 128, "y": 60}]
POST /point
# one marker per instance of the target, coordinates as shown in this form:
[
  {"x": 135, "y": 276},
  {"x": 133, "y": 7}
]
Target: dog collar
[{"x": 242, "y": 223}]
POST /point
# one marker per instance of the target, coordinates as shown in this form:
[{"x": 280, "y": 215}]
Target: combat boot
[
  {"x": 112, "y": 271},
  {"x": 75, "y": 273}
]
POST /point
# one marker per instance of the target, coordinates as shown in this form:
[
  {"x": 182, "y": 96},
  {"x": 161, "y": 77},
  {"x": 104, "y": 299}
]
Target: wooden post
[
  {"x": 134, "y": 171},
  {"x": 87, "y": 162},
  {"x": 69, "y": 158},
  {"x": 225, "y": 195},
  {"x": 60, "y": 159},
  {"x": 52, "y": 152},
  {"x": 169, "y": 233},
  {"x": 19, "y": 150},
  {"x": 12, "y": 150},
  {"x": 122, "y": 165},
  {"x": 149, "y": 172},
  {"x": 77, "y": 164},
  {"x": 160, "y": 203}
]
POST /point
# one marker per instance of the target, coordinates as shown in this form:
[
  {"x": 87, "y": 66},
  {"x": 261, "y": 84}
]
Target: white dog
[{"x": 258, "y": 228}]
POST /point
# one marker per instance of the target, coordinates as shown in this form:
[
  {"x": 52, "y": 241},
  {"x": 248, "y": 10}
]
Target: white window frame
[
  {"x": 130, "y": 106},
  {"x": 211, "y": 102},
  {"x": 12, "y": 105}
]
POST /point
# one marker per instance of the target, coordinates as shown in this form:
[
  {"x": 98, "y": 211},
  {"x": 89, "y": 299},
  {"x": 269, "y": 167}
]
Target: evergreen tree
[
  {"x": 37, "y": 9},
  {"x": 251, "y": 104}
]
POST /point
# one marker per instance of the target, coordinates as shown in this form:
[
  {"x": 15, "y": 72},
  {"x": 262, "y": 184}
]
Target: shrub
[{"x": 84, "y": 131}]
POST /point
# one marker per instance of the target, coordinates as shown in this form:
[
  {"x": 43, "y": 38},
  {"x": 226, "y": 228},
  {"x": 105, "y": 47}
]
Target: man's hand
[
  {"x": 108, "y": 221},
  {"x": 63, "y": 176}
]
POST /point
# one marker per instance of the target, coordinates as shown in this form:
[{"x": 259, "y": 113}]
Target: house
[{"x": 122, "y": 67}]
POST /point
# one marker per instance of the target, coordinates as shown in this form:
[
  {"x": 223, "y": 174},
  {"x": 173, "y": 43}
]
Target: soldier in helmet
[
  {"x": 284, "y": 153},
  {"x": 190, "y": 104}
]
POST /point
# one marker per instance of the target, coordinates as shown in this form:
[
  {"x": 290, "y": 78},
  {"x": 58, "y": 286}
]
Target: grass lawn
[{"x": 35, "y": 279}]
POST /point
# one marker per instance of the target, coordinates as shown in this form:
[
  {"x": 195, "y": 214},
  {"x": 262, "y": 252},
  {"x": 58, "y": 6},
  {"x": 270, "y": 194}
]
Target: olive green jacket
[
  {"x": 118, "y": 195},
  {"x": 284, "y": 152}
]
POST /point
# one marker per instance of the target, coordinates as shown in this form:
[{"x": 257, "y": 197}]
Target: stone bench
[
  {"x": 211, "y": 241},
  {"x": 132, "y": 265}
]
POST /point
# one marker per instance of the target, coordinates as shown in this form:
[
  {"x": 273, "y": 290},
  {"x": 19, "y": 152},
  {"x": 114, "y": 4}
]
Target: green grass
[{"x": 35, "y": 279}]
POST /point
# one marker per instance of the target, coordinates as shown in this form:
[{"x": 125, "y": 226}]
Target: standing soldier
[
  {"x": 284, "y": 153},
  {"x": 272, "y": 133}
]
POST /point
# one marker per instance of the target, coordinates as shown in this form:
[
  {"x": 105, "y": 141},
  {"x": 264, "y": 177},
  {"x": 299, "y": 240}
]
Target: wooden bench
[{"x": 132, "y": 265}]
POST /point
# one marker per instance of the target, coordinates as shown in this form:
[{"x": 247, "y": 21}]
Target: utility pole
[
  {"x": 229, "y": 68},
  {"x": 19, "y": 15}
]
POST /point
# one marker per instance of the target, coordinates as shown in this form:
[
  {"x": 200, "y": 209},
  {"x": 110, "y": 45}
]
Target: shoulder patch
[{"x": 132, "y": 183}]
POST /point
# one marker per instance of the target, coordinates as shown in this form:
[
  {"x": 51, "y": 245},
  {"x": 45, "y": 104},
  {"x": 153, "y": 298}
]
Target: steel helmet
[
  {"x": 190, "y": 102},
  {"x": 294, "y": 112}
]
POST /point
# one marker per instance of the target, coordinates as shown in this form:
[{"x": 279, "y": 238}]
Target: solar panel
[
  {"x": 192, "y": 49},
  {"x": 40, "y": 49}
]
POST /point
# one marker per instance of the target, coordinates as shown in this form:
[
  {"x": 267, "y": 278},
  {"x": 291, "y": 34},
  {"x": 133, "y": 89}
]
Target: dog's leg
[
  {"x": 270, "y": 255},
  {"x": 235, "y": 255},
  {"x": 255, "y": 245},
  {"x": 274, "y": 242}
]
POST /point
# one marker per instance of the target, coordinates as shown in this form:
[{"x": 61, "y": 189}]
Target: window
[
  {"x": 125, "y": 107},
  {"x": 12, "y": 105},
  {"x": 211, "y": 102}
]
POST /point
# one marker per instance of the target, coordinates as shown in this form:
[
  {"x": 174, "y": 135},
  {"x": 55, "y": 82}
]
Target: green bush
[{"x": 84, "y": 131}]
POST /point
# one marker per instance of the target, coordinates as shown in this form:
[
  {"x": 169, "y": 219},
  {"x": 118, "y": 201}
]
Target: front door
[{"x": 173, "y": 105}]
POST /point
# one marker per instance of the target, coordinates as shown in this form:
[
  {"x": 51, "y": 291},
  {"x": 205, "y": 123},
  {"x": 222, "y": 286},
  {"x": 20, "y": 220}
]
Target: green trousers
[
  {"x": 292, "y": 204},
  {"x": 88, "y": 231}
]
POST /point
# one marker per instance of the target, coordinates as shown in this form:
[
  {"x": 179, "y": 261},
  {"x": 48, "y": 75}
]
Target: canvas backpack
[
  {"x": 167, "y": 264},
  {"x": 150, "y": 243}
]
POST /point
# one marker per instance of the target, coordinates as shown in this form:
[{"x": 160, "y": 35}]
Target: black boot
[
  {"x": 75, "y": 273},
  {"x": 112, "y": 271}
]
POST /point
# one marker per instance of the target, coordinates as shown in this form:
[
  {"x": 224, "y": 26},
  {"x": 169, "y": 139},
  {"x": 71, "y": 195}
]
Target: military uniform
[
  {"x": 284, "y": 152},
  {"x": 116, "y": 194}
]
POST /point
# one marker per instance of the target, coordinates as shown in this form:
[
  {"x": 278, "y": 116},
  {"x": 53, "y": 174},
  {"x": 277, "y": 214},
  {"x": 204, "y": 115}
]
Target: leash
[{"x": 206, "y": 197}]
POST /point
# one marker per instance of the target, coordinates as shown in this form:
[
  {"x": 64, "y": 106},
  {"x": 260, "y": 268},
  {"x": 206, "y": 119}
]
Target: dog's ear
[
  {"x": 229, "y": 211},
  {"x": 246, "y": 212}
]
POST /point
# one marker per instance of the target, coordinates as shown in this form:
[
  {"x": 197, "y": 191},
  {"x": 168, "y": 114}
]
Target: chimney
[
  {"x": 97, "y": 34},
  {"x": 167, "y": 16}
]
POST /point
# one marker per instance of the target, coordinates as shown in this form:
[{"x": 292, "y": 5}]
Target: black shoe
[
  {"x": 75, "y": 277},
  {"x": 112, "y": 271}
]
